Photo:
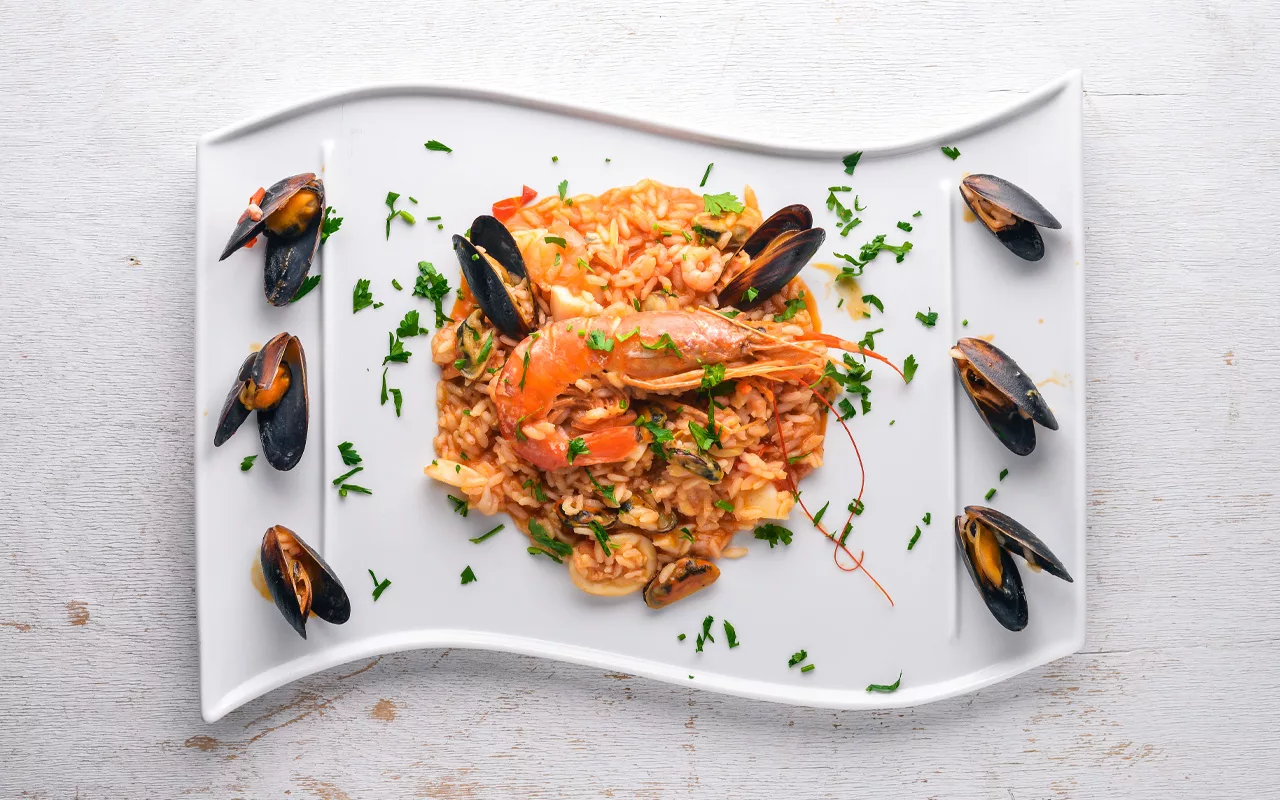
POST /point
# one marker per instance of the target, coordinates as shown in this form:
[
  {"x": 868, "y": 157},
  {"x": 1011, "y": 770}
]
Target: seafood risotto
[{"x": 634, "y": 379}]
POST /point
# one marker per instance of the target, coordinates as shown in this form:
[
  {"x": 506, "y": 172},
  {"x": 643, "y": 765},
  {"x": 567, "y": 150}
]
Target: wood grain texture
[{"x": 1176, "y": 692}]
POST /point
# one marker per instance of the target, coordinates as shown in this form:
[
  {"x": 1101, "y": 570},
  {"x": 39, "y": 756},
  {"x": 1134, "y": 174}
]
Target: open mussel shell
[
  {"x": 272, "y": 199},
  {"x": 300, "y": 581},
  {"x": 1006, "y": 399},
  {"x": 777, "y": 263},
  {"x": 283, "y": 415},
  {"x": 1010, "y": 213},
  {"x": 987, "y": 539},
  {"x": 687, "y": 575},
  {"x": 789, "y": 218},
  {"x": 491, "y": 279}
]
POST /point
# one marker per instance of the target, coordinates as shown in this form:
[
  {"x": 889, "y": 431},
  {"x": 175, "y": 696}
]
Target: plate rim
[{"x": 213, "y": 709}]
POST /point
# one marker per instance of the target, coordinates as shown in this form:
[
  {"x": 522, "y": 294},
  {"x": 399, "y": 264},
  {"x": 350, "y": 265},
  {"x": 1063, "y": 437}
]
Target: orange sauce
[
  {"x": 259, "y": 581},
  {"x": 849, "y": 290},
  {"x": 1057, "y": 379}
]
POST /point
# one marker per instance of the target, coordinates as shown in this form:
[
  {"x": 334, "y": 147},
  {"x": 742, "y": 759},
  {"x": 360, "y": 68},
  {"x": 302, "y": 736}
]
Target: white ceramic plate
[{"x": 935, "y": 458}]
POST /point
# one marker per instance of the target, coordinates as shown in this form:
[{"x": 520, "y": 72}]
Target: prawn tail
[
  {"x": 607, "y": 446},
  {"x": 843, "y": 344}
]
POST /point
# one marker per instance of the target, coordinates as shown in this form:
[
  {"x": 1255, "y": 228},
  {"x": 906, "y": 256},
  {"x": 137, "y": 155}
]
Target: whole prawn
[{"x": 657, "y": 351}]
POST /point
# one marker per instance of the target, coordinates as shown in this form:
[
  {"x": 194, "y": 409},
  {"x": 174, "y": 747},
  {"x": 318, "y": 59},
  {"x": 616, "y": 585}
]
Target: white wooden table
[{"x": 1177, "y": 692}]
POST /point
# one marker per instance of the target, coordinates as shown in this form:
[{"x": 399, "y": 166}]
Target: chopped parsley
[
  {"x": 867, "y": 253},
  {"x": 906, "y": 226},
  {"x": 856, "y": 507},
  {"x": 720, "y": 204},
  {"x": 556, "y": 240},
  {"x": 330, "y": 224},
  {"x": 405, "y": 215},
  {"x": 990, "y": 493},
  {"x": 602, "y": 537},
  {"x": 379, "y": 586},
  {"x": 460, "y": 506},
  {"x": 927, "y": 518},
  {"x": 664, "y": 342},
  {"x": 525, "y": 374},
  {"x": 964, "y": 323},
  {"x": 909, "y": 367},
  {"x": 858, "y": 206},
  {"x": 484, "y": 536},
  {"x": 776, "y": 535},
  {"x": 706, "y": 636},
  {"x": 712, "y": 376},
  {"x": 349, "y": 455},
  {"x": 914, "y": 538},
  {"x": 361, "y": 297},
  {"x": 681, "y": 638},
  {"x": 439, "y": 147},
  {"x": 1003, "y": 474},
  {"x": 751, "y": 294},
  {"x": 351, "y": 487},
  {"x": 872, "y": 300},
  {"x": 797, "y": 657},
  {"x": 950, "y": 152},
  {"x": 577, "y": 447},
  {"x": 433, "y": 286},
  {"x": 537, "y": 490},
  {"x": 724, "y": 505},
  {"x": 660, "y": 435},
  {"x": 395, "y": 284},
  {"x": 817, "y": 518},
  {"x": 808, "y": 667},
  {"x": 468, "y": 576},
  {"x": 685, "y": 533},
  {"x": 851, "y": 161},
  {"x": 396, "y": 353},
  {"x": 793, "y": 306},
  {"x": 563, "y": 188},
  {"x": 555, "y": 546},
  {"x": 597, "y": 340},
  {"x": 730, "y": 634},
  {"x": 706, "y": 175},
  {"x": 311, "y": 282},
  {"x": 338, "y": 480},
  {"x": 409, "y": 325},
  {"x": 246, "y": 463},
  {"x": 927, "y": 320},
  {"x": 892, "y": 687},
  {"x": 704, "y": 439}
]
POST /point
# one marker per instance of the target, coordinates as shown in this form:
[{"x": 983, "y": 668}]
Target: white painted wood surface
[{"x": 1178, "y": 690}]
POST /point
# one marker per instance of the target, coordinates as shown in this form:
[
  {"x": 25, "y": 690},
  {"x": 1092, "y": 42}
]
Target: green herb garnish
[
  {"x": 906, "y": 226},
  {"x": 797, "y": 657},
  {"x": 395, "y": 284},
  {"x": 775, "y": 535},
  {"x": 817, "y": 518},
  {"x": 246, "y": 463},
  {"x": 851, "y": 161},
  {"x": 950, "y": 152},
  {"x": 432, "y": 144},
  {"x": 349, "y": 455},
  {"x": 339, "y": 480},
  {"x": 793, "y": 306},
  {"x": 468, "y": 576},
  {"x": 577, "y": 447},
  {"x": 330, "y": 224},
  {"x": 927, "y": 320},
  {"x": 664, "y": 342},
  {"x": 909, "y": 367},
  {"x": 409, "y": 325},
  {"x": 405, "y": 215},
  {"x": 918, "y": 213},
  {"x": 311, "y": 282},
  {"x": 706, "y": 175},
  {"x": 751, "y": 294},
  {"x": 484, "y": 536},
  {"x": 351, "y": 487},
  {"x": 597, "y": 340},
  {"x": 553, "y": 547},
  {"x": 361, "y": 297},
  {"x": 730, "y": 635},
  {"x": 872, "y": 300},
  {"x": 1003, "y": 474},
  {"x": 563, "y": 187},
  {"x": 705, "y": 440},
  {"x": 433, "y": 286},
  {"x": 460, "y": 506},
  {"x": 720, "y": 204},
  {"x": 893, "y": 687},
  {"x": 990, "y": 493},
  {"x": 808, "y": 667},
  {"x": 724, "y": 505},
  {"x": 602, "y": 537},
  {"x": 379, "y": 586},
  {"x": 914, "y": 538},
  {"x": 712, "y": 376},
  {"x": 556, "y": 240},
  {"x": 396, "y": 353}
]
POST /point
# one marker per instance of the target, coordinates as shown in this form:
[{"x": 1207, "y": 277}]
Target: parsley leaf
[
  {"x": 577, "y": 447},
  {"x": 338, "y": 480},
  {"x": 433, "y": 286},
  {"x": 927, "y": 320},
  {"x": 751, "y": 294},
  {"x": 724, "y": 505},
  {"x": 872, "y": 300},
  {"x": 398, "y": 398},
  {"x": 918, "y": 213},
  {"x": 405, "y": 215},
  {"x": 329, "y": 225},
  {"x": 706, "y": 175},
  {"x": 349, "y": 455},
  {"x": 409, "y": 325},
  {"x": 602, "y": 536},
  {"x": 712, "y": 376},
  {"x": 563, "y": 188},
  {"x": 793, "y": 306},
  {"x": 597, "y": 340},
  {"x": 310, "y": 283},
  {"x": 556, "y": 240},
  {"x": 730, "y": 634},
  {"x": 554, "y": 548},
  {"x": 468, "y": 576},
  {"x": 432, "y": 144},
  {"x": 361, "y": 297},
  {"x": 486, "y": 535},
  {"x": 664, "y": 342},
  {"x": 950, "y": 152},
  {"x": 720, "y": 204},
  {"x": 607, "y": 492},
  {"x": 797, "y": 657},
  {"x": 396, "y": 353},
  {"x": 892, "y": 687},
  {"x": 1004, "y": 473},
  {"x": 775, "y": 534},
  {"x": 246, "y": 463},
  {"x": 851, "y": 161},
  {"x": 909, "y": 367},
  {"x": 817, "y": 518},
  {"x": 914, "y": 538},
  {"x": 379, "y": 586},
  {"x": 703, "y": 438},
  {"x": 906, "y": 226}
]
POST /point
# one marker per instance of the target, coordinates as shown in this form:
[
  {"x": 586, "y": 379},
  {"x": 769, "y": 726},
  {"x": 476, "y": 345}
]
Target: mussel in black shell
[
  {"x": 300, "y": 581},
  {"x": 1006, "y": 399},
  {"x": 495, "y": 272},
  {"x": 272, "y": 382},
  {"x": 1014, "y": 216},
  {"x": 988, "y": 540},
  {"x": 776, "y": 252},
  {"x": 289, "y": 214}
]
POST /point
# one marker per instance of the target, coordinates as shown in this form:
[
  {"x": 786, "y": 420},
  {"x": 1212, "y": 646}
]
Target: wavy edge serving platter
[{"x": 227, "y": 168}]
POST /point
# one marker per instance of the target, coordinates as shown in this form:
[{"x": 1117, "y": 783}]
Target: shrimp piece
[{"x": 702, "y": 269}]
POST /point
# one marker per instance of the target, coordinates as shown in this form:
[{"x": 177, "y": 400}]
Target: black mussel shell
[
  {"x": 1005, "y": 398},
  {"x": 779, "y": 262},
  {"x": 489, "y": 290},
  {"x": 1018, "y": 228},
  {"x": 790, "y": 218},
  {"x": 690, "y": 575},
  {"x": 283, "y": 428},
  {"x": 246, "y": 228},
  {"x": 289, "y": 258},
  {"x": 1007, "y": 602},
  {"x": 497, "y": 241},
  {"x": 233, "y": 412},
  {"x": 329, "y": 600},
  {"x": 1016, "y": 538}
]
